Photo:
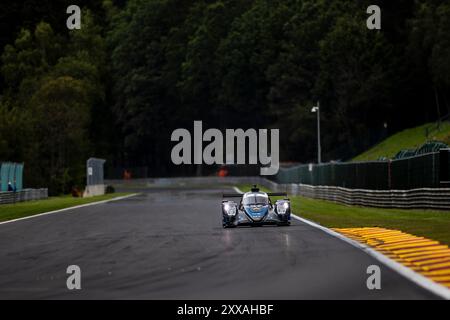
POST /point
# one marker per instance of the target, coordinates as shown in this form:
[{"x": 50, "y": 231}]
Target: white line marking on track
[
  {"x": 70, "y": 208},
  {"x": 406, "y": 272}
]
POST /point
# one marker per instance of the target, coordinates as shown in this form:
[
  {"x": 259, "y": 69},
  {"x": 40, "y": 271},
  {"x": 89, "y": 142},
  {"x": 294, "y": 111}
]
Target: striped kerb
[{"x": 427, "y": 257}]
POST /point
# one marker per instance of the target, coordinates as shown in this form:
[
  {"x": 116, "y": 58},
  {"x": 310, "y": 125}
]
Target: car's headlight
[
  {"x": 282, "y": 207},
  {"x": 230, "y": 208}
]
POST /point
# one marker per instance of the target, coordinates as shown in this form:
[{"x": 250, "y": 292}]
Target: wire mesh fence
[{"x": 429, "y": 170}]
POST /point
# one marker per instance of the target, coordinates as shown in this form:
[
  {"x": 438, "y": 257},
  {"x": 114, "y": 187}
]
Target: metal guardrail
[
  {"x": 423, "y": 198},
  {"x": 24, "y": 195}
]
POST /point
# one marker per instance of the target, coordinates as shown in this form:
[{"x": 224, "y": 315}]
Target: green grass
[
  {"x": 426, "y": 223},
  {"x": 29, "y": 208},
  {"x": 407, "y": 139}
]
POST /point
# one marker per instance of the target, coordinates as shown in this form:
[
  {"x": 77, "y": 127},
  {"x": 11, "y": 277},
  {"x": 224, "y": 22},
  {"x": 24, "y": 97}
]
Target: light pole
[{"x": 316, "y": 109}]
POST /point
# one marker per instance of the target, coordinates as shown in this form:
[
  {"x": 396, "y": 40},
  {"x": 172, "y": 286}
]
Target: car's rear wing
[
  {"x": 239, "y": 195},
  {"x": 232, "y": 195}
]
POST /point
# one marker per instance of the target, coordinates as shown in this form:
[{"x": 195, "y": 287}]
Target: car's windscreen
[{"x": 255, "y": 199}]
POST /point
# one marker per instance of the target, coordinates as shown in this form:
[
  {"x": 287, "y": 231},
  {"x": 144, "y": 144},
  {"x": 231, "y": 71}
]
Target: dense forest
[{"x": 139, "y": 69}]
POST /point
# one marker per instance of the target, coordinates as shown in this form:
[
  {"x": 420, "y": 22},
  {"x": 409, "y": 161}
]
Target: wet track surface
[{"x": 169, "y": 244}]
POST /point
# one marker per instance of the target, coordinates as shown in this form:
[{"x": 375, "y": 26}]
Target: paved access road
[{"x": 169, "y": 244}]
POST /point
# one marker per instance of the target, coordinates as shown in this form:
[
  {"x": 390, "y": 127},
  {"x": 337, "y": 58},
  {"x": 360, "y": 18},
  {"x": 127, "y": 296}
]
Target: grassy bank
[
  {"x": 25, "y": 209},
  {"x": 426, "y": 223},
  {"x": 407, "y": 139}
]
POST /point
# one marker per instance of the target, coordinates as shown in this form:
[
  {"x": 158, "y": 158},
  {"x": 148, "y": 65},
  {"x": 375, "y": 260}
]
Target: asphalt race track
[{"x": 169, "y": 244}]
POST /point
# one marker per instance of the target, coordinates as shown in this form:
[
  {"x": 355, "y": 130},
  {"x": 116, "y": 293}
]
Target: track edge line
[
  {"x": 70, "y": 208},
  {"x": 406, "y": 272}
]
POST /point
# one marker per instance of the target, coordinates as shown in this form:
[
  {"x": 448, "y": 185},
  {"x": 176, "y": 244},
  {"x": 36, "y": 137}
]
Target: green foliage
[
  {"x": 147, "y": 101},
  {"x": 264, "y": 64},
  {"x": 139, "y": 69},
  {"x": 353, "y": 83},
  {"x": 407, "y": 139},
  {"x": 52, "y": 88},
  {"x": 439, "y": 61},
  {"x": 60, "y": 110},
  {"x": 14, "y": 129}
]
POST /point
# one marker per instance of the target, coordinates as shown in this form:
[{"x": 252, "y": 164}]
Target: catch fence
[{"x": 430, "y": 170}]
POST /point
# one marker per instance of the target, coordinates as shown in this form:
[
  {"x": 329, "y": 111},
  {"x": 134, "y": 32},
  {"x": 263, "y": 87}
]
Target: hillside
[{"x": 407, "y": 139}]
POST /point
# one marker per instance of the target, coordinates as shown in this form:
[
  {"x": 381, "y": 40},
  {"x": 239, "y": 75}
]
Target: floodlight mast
[{"x": 316, "y": 109}]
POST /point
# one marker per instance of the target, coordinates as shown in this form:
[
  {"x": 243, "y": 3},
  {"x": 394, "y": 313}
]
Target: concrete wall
[{"x": 94, "y": 190}]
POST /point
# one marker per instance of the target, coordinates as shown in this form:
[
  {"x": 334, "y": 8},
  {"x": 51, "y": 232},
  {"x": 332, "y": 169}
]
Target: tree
[
  {"x": 439, "y": 60},
  {"x": 60, "y": 110},
  {"x": 146, "y": 102},
  {"x": 353, "y": 85},
  {"x": 293, "y": 77},
  {"x": 14, "y": 132},
  {"x": 59, "y": 87}
]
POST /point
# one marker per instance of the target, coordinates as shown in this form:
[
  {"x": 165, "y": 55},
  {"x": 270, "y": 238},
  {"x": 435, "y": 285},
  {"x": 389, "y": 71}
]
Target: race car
[{"x": 255, "y": 208}]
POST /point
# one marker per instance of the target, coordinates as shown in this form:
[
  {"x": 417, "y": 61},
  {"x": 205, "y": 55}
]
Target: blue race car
[{"x": 255, "y": 209}]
